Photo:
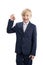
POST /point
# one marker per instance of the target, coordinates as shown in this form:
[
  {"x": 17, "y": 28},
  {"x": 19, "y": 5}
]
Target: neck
[{"x": 26, "y": 22}]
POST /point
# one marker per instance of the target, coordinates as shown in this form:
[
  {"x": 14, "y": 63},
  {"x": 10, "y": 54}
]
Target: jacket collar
[{"x": 28, "y": 26}]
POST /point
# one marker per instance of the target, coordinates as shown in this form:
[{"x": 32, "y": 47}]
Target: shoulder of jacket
[
  {"x": 33, "y": 25},
  {"x": 18, "y": 23}
]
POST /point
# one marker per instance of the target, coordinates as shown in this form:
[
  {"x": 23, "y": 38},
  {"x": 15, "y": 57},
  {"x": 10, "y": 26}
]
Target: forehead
[{"x": 27, "y": 13}]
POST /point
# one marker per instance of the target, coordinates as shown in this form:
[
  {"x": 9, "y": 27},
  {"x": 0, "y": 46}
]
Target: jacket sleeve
[
  {"x": 34, "y": 41},
  {"x": 11, "y": 29}
]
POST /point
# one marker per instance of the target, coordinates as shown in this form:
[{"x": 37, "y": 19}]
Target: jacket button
[{"x": 23, "y": 59}]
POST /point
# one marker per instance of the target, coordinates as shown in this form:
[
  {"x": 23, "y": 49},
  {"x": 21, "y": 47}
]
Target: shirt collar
[{"x": 26, "y": 23}]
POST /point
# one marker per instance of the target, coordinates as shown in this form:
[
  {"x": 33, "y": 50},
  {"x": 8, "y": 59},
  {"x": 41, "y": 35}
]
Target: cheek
[
  {"x": 28, "y": 17},
  {"x": 23, "y": 18}
]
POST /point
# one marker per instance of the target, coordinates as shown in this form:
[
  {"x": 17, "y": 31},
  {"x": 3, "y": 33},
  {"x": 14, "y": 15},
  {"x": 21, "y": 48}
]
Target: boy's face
[{"x": 26, "y": 17}]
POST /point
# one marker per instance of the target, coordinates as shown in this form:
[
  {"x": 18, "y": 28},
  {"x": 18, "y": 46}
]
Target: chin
[{"x": 25, "y": 21}]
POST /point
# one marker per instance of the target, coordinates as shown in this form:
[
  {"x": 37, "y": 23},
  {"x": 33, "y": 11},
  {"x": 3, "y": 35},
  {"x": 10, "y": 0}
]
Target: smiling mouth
[{"x": 25, "y": 19}]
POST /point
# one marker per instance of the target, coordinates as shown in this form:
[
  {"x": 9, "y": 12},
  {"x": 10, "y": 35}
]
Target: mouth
[{"x": 25, "y": 19}]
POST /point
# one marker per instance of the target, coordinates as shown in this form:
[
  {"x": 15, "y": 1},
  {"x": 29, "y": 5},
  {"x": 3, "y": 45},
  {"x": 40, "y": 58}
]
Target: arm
[
  {"x": 34, "y": 42},
  {"x": 11, "y": 29}
]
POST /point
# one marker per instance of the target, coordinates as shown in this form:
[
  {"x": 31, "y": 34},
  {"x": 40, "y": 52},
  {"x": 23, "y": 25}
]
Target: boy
[{"x": 26, "y": 38}]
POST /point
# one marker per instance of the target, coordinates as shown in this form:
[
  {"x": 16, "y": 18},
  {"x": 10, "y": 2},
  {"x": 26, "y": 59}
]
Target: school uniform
[{"x": 26, "y": 40}]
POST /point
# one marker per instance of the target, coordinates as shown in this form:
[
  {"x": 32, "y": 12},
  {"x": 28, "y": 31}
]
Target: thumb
[{"x": 30, "y": 56}]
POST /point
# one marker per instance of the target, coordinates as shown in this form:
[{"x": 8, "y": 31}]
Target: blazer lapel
[{"x": 22, "y": 26}]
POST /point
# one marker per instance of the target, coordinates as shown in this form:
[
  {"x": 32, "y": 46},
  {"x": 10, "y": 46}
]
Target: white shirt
[{"x": 25, "y": 26}]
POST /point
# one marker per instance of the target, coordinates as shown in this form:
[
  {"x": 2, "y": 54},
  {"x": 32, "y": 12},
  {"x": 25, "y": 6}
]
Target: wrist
[{"x": 11, "y": 20}]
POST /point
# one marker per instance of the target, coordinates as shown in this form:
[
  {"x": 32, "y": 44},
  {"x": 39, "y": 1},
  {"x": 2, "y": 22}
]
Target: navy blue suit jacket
[{"x": 25, "y": 41}]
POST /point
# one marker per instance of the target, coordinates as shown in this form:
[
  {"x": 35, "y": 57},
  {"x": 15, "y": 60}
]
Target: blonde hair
[{"x": 26, "y": 10}]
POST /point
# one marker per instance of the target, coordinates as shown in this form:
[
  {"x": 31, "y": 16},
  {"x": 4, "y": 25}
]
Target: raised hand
[{"x": 12, "y": 17}]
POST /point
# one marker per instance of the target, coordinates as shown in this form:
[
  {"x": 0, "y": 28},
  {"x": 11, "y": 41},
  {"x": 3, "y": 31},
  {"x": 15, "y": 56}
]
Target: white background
[{"x": 7, "y": 41}]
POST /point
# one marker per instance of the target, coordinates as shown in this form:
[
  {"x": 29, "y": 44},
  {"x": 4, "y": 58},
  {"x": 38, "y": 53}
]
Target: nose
[{"x": 25, "y": 17}]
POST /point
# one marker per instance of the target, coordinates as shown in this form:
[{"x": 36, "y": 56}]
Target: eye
[
  {"x": 27, "y": 15},
  {"x": 23, "y": 15}
]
